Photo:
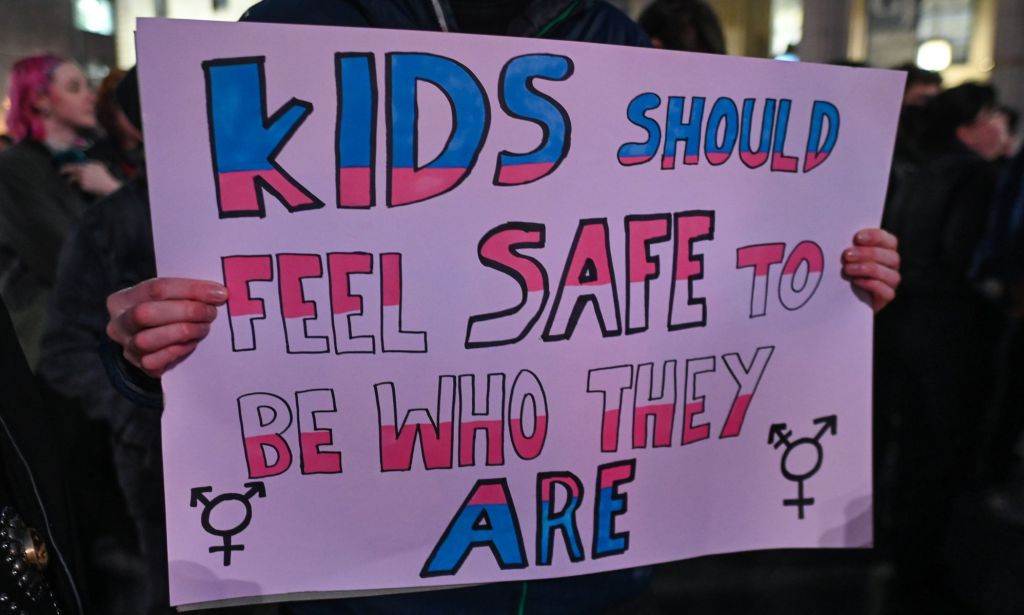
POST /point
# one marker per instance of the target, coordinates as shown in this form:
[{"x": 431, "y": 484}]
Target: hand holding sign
[
  {"x": 160, "y": 321},
  {"x": 874, "y": 265}
]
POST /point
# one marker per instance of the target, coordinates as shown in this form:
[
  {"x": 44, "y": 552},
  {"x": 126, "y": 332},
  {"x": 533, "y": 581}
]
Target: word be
[
  {"x": 487, "y": 518},
  {"x": 265, "y": 418}
]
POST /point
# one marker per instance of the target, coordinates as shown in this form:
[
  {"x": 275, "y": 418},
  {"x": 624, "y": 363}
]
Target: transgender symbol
[
  {"x": 807, "y": 460},
  {"x": 199, "y": 495}
]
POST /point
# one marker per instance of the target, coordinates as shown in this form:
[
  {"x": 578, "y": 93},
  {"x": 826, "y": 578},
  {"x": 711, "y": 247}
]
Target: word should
[{"x": 724, "y": 129}]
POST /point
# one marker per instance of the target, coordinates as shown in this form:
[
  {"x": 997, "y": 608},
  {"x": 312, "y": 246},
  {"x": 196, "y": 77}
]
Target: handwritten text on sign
[{"x": 505, "y": 309}]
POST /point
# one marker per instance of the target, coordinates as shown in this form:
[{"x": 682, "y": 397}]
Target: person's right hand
[{"x": 160, "y": 321}]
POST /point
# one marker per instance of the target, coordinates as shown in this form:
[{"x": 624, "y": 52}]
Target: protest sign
[{"x": 506, "y": 309}]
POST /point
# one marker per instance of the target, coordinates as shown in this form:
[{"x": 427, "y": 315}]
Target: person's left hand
[
  {"x": 873, "y": 264},
  {"x": 91, "y": 177}
]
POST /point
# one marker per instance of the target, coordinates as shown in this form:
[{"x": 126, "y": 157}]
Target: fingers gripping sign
[
  {"x": 873, "y": 265},
  {"x": 160, "y": 321}
]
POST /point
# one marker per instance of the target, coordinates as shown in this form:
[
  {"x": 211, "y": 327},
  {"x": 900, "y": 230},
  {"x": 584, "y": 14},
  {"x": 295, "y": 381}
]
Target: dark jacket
[
  {"x": 111, "y": 249},
  {"x": 31, "y": 481},
  {"x": 568, "y": 20},
  {"x": 1001, "y": 256},
  {"x": 37, "y": 209},
  {"x": 940, "y": 218}
]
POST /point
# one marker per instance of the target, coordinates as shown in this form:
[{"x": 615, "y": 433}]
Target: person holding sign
[{"x": 159, "y": 322}]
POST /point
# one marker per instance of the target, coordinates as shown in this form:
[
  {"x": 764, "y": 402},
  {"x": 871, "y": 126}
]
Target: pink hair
[{"x": 30, "y": 78}]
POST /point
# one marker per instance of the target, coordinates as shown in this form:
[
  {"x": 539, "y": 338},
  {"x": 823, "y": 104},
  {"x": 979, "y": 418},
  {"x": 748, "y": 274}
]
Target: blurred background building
[
  {"x": 977, "y": 40},
  {"x": 965, "y": 40}
]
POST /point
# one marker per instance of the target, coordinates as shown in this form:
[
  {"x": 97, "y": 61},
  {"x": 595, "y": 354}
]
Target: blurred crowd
[
  {"x": 74, "y": 228},
  {"x": 947, "y": 408}
]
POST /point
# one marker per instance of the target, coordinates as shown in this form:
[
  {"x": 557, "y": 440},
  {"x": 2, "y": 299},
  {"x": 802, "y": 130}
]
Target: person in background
[
  {"x": 999, "y": 272},
  {"x": 46, "y": 181},
  {"x": 922, "y": 85},
  {"x": 121, "y": 146},
  {"x": 938, "y": 338},
  {"x": 1013, "y": 141},
  {"x": 683, "y": 25}
]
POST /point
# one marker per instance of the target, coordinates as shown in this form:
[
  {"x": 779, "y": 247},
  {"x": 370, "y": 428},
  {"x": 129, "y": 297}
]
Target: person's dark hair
[
  {"x": 684, "y": 25},
  {"x": 127, "y": 95},
  {"x": 954, "y": 108},
  {"x": 916, "y": 75},
  {"x": 106, "y": 104},
  {"x": 1012, "y": 118}
]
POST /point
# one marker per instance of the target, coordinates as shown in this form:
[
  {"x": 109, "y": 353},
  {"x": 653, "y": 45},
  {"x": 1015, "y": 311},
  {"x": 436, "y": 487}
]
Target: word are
[
  {"x": 297, "y": 310},
  {"x": 589, "y": 279},
  {"x": 723, "y": 129},
  {"x": 245, "y": 141},
  {"x": 651, "y": 402},
  {"x": 487, "y": 518}
]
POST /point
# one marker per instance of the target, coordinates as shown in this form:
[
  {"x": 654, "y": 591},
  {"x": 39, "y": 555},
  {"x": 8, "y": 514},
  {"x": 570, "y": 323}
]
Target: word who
[{"x": 479, "y": 410}]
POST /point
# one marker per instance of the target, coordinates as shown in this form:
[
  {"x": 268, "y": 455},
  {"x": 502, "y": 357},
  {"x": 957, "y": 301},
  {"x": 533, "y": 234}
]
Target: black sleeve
[
  {"x": 970, "y": 203},
  {"x": 306, "y": 12},
  {"x": 76, "y": 353}
]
